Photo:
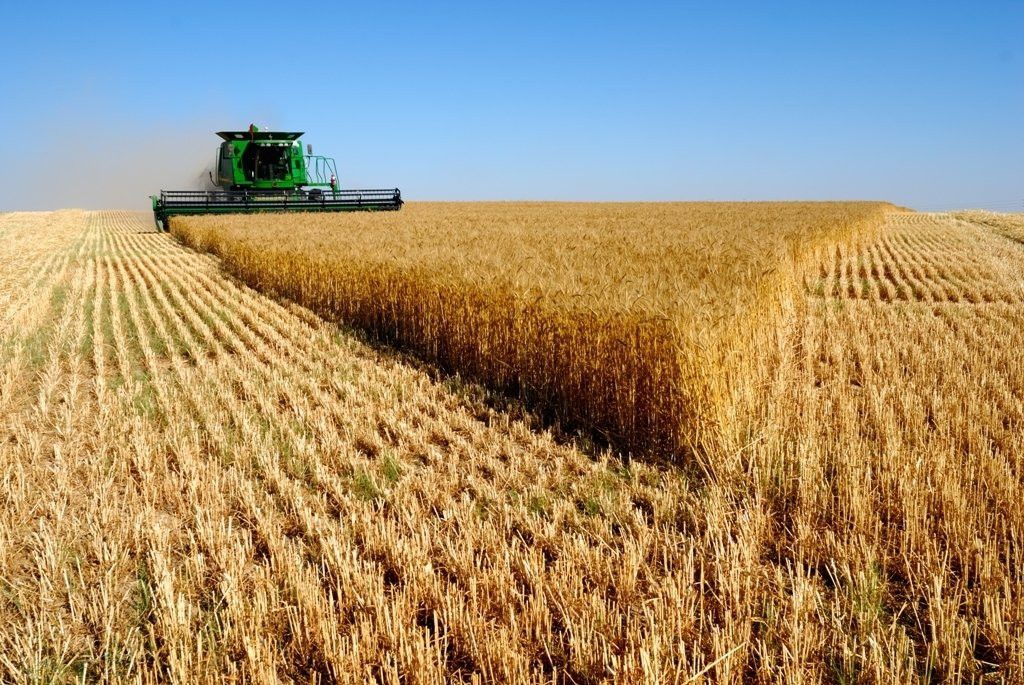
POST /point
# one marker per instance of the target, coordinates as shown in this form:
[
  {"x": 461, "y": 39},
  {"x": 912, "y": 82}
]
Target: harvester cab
[{"x": 266, "y": 171}]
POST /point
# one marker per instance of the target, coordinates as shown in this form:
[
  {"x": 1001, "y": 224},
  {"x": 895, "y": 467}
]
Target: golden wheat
[
  {"x": 201, "y": 484},
  {"x": 633, "y": 321}
]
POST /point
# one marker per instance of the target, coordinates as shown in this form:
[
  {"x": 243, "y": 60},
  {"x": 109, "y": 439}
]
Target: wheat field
[
  {"x": 205, "y": 484},
  {"x": 644, "y": 324}
]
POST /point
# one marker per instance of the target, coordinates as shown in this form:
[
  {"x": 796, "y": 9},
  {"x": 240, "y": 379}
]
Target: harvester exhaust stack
[{"x": 266, "y": 171}]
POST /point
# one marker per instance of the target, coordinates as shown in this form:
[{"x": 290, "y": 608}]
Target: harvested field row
[
  {"x": 640, "y": 323},
  {"x": 907, "y": 422},
  {"x": 204, "y": 485},
  {"x": 921, "y": 258},
  {"x": 1008, "y": 225},
  {"x": 201, "y": 484}
]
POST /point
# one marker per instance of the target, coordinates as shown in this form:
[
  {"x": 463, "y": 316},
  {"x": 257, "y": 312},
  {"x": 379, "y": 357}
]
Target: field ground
[{"x": 202, "y": 484}]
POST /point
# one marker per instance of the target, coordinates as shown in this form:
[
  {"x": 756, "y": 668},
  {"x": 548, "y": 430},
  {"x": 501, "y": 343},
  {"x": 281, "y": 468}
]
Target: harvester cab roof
[
  {"x": 260, "y": 135},
  {"x": 260, "y": 171}
]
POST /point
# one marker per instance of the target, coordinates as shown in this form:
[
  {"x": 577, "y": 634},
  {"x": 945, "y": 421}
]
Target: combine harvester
[{"x": 266, "y": 171}]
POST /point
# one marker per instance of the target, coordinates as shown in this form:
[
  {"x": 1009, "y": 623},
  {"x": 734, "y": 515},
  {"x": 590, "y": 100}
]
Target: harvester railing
[{"x": 320, "y": 170}]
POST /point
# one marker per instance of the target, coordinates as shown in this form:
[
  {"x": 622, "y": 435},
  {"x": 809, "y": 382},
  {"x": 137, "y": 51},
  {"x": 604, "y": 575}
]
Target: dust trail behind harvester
[{"x": 110, "y": 164}]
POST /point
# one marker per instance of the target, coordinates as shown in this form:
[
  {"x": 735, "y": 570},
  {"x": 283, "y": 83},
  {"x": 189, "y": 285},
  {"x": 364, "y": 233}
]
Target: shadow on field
[{"x": 494, "y": 407}]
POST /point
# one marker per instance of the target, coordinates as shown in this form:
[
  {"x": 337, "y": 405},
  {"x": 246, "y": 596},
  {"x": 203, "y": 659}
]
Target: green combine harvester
[{"x": 267, "y": 171}]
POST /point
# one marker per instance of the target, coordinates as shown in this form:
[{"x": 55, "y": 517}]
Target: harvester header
[{"x": 268, "y": 171}]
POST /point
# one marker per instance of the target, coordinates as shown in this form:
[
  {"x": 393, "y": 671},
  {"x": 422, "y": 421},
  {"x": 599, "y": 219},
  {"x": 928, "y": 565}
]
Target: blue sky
[{"x": 920, "y": 103}]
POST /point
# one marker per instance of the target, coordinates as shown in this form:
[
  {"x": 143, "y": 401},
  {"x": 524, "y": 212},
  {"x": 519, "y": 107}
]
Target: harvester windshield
[{"x": 267, "y": 162}]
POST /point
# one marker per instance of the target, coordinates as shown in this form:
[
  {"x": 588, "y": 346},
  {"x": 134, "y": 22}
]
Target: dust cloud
[{"x": 106, "y": 166}]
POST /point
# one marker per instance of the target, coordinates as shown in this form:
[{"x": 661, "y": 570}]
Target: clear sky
[{"x": 919, "y": 103}]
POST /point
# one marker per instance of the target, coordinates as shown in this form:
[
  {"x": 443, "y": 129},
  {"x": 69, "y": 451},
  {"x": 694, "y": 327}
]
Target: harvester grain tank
[{"x": 268, "y": 171}]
